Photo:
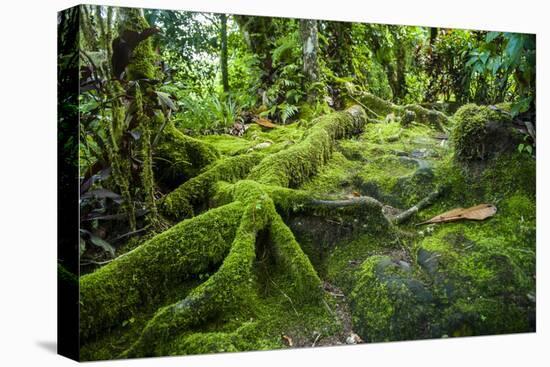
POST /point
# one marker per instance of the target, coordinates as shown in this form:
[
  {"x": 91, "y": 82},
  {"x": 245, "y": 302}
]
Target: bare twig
[
  {"x": 131, "y": 233},
  {"x": 427, "y": 201},
  {"x": 286, "y": 296},
  {"x": 316, "y": 339}
]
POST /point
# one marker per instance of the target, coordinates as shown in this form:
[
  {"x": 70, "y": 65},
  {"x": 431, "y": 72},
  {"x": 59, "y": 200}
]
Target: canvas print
[{"x": 238, "y": 183}]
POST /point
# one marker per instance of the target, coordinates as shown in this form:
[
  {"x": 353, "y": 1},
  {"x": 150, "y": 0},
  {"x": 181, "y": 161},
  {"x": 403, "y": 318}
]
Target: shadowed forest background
[{"x": 257, "y": 183}]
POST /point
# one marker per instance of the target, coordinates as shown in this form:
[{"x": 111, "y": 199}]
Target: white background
[{"x": 28, "y": 182}]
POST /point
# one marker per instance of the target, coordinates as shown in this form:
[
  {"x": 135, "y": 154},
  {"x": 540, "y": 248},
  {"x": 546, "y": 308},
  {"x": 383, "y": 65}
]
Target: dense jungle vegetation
[{"x": 257, "y": 183}]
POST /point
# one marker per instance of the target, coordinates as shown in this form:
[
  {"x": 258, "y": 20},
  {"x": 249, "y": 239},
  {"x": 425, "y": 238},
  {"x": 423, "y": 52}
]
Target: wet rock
[{"x": 427, "y": 260}]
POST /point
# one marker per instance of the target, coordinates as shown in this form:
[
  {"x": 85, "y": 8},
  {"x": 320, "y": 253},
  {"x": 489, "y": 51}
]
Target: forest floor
[{"x": 398, "y": 282}]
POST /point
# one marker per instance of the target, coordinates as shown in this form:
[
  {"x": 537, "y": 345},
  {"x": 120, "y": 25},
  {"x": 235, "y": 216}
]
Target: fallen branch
[
  {"x": 427, "y": 201},
  {"x": 372, "y": 202},
  {"x": 356, "y": 201}
]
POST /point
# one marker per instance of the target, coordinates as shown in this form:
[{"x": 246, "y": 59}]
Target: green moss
[
  {"x": 433, "y": 118},
  {"x": 466, "y": 278},
  {"x": 143, "y": 56},
  {"x": 389, "y": 303},
  {"x": 484, "y": 271},
  {"x": 470, "y": 135},
  {"x": 380, "y": 108},
  {"x": 304, "y": 285},
  {"x": 232, "y": 288},
  {"x": 293, "y": 166},
  {"x": 183, "y": 201},
  {"x": 333, "y": 178},
  {"x": 180, "y": 157},
  {"x": 228, "y": 144},
  {"x": 386, "y": 171},
  {"x": 343, "y": 261},
  {"x": 114, "y": 292}
]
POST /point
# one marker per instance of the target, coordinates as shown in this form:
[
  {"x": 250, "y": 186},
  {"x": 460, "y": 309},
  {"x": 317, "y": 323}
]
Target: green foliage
[
  {"x": 445, "y": 62},
  {"x": 206, "y": 113},
  {"x": 509, "y": 60}
]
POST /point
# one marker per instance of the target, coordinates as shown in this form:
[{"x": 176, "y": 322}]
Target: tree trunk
[
  {"x": 223, "y": 58},
  {"x": 310, "y": 46}
]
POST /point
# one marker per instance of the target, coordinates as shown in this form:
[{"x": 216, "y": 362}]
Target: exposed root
[
  {"x": 112, "y": 293},
  {"x": 380, "y": 107},
  {"x": 353, "y": 202},
  {"x": 180, "y": 157},
  {"x": 427, "y": 201},
  {"x": 233, "y": 285},
  {"x": 291, "y": 167},
  {"x": 226, "y": 235},
  {"x": 366, "y": 201},
  {"x": 183, "y": 201}
]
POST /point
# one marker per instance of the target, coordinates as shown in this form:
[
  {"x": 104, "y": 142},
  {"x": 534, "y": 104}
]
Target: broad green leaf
[
  {"x": 484, "y": 57},
  {"x": 491, "y": 36},
  {"x": 97, "y": 241},
  {"x": 165, "y": 101}
]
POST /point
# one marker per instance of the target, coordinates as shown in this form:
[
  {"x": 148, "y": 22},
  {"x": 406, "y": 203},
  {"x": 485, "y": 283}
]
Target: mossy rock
[
  {"x": 479, "y": 280},
  {"x": 481, "y": 132},
  {"x": 389, "y": 302}
]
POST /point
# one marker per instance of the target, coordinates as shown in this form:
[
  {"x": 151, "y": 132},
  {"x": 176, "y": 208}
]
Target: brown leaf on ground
[
  {"x": 264, "y": 122},
  {"x": 478, "y": 212},
  {"x": 287, "y": 340}
]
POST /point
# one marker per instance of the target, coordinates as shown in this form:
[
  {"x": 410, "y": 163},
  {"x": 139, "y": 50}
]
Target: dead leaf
[
  {"x": 353, "y": 339},
  {"x": 287, "y": 340},
  {"x": 264, "y": 122},
  {"x": 478, "y": 212},
  {"x": 356, "y": 194}
]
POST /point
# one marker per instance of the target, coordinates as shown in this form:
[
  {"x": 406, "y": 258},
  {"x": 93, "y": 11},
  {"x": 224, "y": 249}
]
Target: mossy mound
[
  {"x": 481, "y": 132},
  {"x": 480, "y": 275},
  {"x": 389, "y": 303},
  {"x": 484, "y": 272}
]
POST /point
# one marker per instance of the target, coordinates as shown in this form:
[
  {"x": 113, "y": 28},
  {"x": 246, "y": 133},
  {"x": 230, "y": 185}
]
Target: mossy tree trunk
[
  {"x": 310, "y": 47},
  {"x": 223, "y": 52}
]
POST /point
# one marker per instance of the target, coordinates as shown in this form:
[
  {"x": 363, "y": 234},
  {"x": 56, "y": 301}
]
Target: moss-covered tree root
[
  {"x": 224, "y": 238},
  {"x": 379, "y": 107},
  {"x": 233, "y": 284}
]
